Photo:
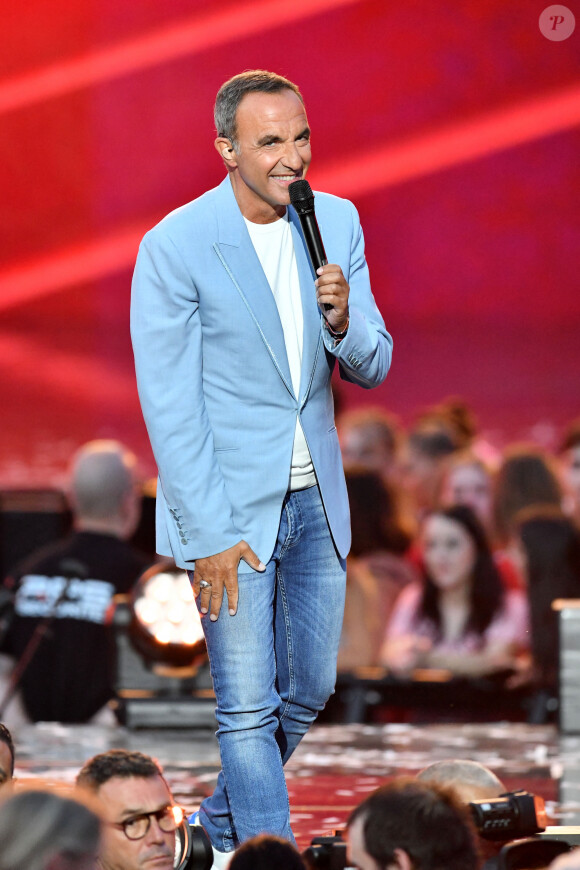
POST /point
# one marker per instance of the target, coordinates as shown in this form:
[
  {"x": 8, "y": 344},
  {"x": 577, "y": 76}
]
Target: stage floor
[{"x": 335, "y": 766}]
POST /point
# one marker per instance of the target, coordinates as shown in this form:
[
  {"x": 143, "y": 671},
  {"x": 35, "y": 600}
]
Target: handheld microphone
[{"x": 302, "y": 199}]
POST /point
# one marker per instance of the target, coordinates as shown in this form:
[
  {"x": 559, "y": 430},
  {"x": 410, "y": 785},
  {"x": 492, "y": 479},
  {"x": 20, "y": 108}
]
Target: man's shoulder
[
  {"x": 329, "y": 206},
  {"x": 198, "y": 215},
  {"x": 43, "y": 559}
]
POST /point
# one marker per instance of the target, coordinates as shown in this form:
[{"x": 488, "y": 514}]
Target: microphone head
[{"x": 301, "y": 196}]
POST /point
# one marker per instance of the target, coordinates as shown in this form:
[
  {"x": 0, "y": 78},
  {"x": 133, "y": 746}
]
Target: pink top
[{"x": 511, "y": 625}]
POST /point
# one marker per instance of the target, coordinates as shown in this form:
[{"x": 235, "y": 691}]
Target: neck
[
  {"x": 251, "y": 206},
  {"x": 457, "y": 595},
  {"x": 112, "y": 527}
]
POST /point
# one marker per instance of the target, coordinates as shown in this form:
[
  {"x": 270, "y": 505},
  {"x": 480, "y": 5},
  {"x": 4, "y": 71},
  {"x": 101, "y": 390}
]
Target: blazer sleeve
[
  {"x": 365, "y": 353},
  {"x": 167, "y": 343}
]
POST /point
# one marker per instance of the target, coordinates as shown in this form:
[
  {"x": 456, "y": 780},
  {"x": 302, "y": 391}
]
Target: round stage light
[{"x": 166, "y": 624}]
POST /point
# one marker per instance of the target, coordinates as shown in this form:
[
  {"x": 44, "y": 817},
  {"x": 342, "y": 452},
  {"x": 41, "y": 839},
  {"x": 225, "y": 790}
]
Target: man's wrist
[{"x": 338, "y": 335}]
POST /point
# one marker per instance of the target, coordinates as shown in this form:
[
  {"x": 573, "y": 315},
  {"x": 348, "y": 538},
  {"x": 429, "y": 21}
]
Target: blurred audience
[
  {"x": 455, "y": 414},
  {"x": 138, "y": 810},
  {"x": 370, "y": 438},
  {"x": 429, "y": 445},
  {"x": 266, "y": 852},
  {"x": 550, "y": 548},
  {"x": 411, "y": 825},
  {"x": 569, "y": 461},
  {"x": 469, "y": 480},
  {"x": 376, "y": 568},
  {"x": 526, "y": 477},
  {"x": 466, "y": 479},
  {"x": 40, "y": 830},
  {"x": 63, "y": 648},
  {"x": 459, "y": 617},
  {"x": 6, "y": 761}
]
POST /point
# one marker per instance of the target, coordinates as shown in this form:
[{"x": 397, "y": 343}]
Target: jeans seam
[{"x": 289, "y": 649}]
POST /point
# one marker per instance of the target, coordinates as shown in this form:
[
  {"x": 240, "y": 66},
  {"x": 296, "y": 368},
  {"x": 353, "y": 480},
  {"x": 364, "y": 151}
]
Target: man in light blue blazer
[{"x": 234, "y": 359}]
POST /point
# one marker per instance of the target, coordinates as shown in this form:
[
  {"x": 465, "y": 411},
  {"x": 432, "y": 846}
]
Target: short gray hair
[
  {"x": 462, "y": 772},
  {"x": 102, "y": 475},
  {"x": 232, "y": 92}
]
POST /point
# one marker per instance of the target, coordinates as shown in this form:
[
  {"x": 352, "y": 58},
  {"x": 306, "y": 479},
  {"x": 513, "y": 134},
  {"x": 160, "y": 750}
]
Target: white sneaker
[{"x": 221, "y": 860}]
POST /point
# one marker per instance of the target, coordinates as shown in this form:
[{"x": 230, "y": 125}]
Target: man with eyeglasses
[{"x": 139, "y": 814}]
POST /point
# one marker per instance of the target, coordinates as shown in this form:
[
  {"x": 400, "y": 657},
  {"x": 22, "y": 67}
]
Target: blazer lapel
[{"x": 236, "y": 252}]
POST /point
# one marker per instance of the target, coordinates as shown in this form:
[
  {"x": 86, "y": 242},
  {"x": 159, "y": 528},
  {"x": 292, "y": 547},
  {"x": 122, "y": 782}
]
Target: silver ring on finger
[{"x": 203, "y": 584}]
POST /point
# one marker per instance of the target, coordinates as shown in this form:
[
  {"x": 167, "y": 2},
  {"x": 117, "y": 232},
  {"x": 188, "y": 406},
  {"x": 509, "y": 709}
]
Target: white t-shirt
[{"x": 275, "y": 249}]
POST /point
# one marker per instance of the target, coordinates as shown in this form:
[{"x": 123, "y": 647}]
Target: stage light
[
  {"x": 162, "y": 670},
  {"x": 166, "y": 626}
]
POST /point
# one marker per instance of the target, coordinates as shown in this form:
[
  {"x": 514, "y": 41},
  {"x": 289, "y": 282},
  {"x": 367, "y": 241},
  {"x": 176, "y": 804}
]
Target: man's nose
[
  {"x": 155, "y": 834},
  {"x": 292, "y": 157}
]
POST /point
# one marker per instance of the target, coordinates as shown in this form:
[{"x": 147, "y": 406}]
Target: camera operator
[
  {"x": 138, "y": 811},
  {"x": 471, "y": 781},
  {"x": 411, "y": 825}
]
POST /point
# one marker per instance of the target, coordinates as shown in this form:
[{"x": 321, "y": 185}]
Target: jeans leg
[
  {"x": 311, "y": 585},
  {"x": 251, "y": 795},
  {"x": 273, "y": 665}
]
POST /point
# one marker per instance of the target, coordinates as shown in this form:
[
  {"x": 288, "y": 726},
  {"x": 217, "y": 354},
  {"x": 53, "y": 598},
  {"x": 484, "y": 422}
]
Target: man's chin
[{"x": 158, "y": 862}]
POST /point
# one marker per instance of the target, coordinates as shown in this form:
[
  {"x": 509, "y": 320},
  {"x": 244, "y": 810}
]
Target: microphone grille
[{"x": 301, "y": 196}]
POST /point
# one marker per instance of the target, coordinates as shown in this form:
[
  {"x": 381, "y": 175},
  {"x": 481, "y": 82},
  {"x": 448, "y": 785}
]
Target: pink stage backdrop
[{"x": 453, "y": 126}]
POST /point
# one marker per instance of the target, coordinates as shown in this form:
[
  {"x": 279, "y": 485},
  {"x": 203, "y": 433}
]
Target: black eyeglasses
[{"x": 135, "y": 828}]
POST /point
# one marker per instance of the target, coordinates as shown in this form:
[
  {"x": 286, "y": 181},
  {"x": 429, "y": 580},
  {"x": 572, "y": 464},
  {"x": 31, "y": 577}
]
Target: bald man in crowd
[
  {"x": 63, "y": 592},
  {"x": 471, "y": 780}
]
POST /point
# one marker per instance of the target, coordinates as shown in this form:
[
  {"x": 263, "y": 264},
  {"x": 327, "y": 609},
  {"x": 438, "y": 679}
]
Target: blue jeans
[{"x": 273, "y": 666}]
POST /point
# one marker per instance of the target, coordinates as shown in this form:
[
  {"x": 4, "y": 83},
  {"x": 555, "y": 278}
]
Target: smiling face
[
  {"x": 272, "y": 150},
  {"x": 449, "y": 552}
]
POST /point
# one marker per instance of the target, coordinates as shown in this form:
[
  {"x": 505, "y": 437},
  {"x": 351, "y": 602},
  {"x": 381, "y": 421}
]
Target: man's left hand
[{"x": 332, "y": 289}]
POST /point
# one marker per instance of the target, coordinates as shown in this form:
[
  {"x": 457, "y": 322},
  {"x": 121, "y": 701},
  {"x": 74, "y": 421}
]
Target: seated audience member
[
  {"x": 429, "y": 446},
  {"x": 6, "y": 761},
  {"x": 458, "y": 418},
  {"x": 569, "y": 461},
  {"x": 460, "y": 617},
  {"x": 410, "y": 825},
  {"x": 550, "y": 546},
  {"x": 40, "y": 830},
  {"x": 526, "y": 477},
  {"x": 470, "y": 780},
  {"x": 370, "y": 438},
  {"x": 63, "y": 648},
  {"x": 376, "y": 568},
  {"x": 266, "y": 852},
  {"x": 137, "y": 808},
  {"x": 468, "y": 480}
]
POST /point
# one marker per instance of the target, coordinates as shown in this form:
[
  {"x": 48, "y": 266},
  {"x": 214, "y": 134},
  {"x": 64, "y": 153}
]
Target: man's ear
[
  {"x": 226, "y": 151},
  {"x": 402, "y": 860}
]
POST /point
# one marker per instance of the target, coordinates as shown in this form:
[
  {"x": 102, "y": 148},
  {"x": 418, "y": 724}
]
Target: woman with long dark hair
[{"x": 460, "y": 616}]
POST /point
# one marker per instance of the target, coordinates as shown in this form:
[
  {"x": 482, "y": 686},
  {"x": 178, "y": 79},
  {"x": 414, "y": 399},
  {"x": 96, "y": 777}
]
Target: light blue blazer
[{"x": 214, "y": 380}]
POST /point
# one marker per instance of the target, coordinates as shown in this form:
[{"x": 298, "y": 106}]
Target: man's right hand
[{"x": 221, "y": 572}]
